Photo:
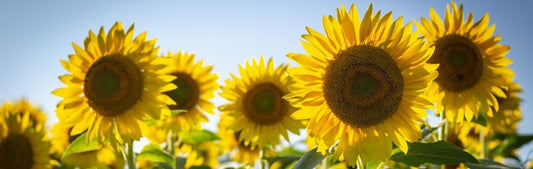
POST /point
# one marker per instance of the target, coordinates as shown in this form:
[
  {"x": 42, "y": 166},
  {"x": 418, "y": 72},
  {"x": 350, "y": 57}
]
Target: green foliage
[
  {"x": 488, "y": 164},
  {"x": 440, "y": 153},
  {"x": 154, "y": 153},
  {"x": 481, "y": 120},
  {"x": 176, "y": 112},
  {"x": 510, "y": 143},
  {"x": 286, "y": 161},
  {"x": 80, "y": 145},
  {"x": 309, "y": 159},
  {"x": 197, "y": 136}
]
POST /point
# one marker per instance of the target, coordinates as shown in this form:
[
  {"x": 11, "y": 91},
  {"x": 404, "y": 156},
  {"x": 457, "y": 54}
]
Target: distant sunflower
[
  {"x": 239, "y": 152},
  {"x": 23, "y": 145},
  {"x": 473, "y": 66},
  {"x": 202, "y": 154},
  {"x": 256, "y": 109},
  {"x": 196, "y": 85},
  {"x": 363, "y": 84},
  {"x": 505, "y": 120},
  {"x": 101, "y": 158},
  {"x": 114, "y": 85},
  {"x": 37, "y": 117}
]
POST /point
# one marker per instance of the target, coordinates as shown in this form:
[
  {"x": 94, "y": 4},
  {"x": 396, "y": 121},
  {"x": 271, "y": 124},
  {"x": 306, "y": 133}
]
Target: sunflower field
[{"x": 367, "y": 88}]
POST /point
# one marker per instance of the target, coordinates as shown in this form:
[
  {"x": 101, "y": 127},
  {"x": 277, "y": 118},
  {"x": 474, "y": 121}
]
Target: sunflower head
[
  {"x": 362, "y": 84},
  {"x": 201, "y": 154},
  {"x": 114, "y": 83},
  {"x": 23, "y": 106},
  {"x": 22, "y": 143},
  {"x": 257, "y": 109},
  {"x": 238, "y": 150},
  {"x": 473, "y": 66},
  {"x": 197, "y": 85}
]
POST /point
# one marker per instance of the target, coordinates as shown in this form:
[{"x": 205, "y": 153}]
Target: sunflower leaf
[
  {"x": 309, "y": 159},
  {"x": 510, "y": 143},
  {"x": 481, "y": 120},
  {"x": 197, "y": 136},
  {"x": 488, "y": 164},
  {"x": 80, "y": 145},
  {"x": 154, "y": 153},
  {"x": 440, "y": 153},
  {"x": 284, "y": 160}
]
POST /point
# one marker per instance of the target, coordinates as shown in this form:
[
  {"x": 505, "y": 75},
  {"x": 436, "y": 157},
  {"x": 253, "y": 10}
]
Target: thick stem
[
  {"x": 130, "y": 156},
  {"x": 442, "y": 131},
  {"x": 483, "y": 144}
]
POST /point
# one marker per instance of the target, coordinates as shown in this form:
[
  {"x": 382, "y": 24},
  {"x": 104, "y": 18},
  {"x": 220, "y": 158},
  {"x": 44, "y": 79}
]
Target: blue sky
[{"x": 37, "y": 34}]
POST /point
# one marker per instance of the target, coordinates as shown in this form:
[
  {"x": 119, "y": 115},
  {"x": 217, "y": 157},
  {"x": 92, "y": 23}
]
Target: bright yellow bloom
[
  {"x": 473, "y": 66},
  {"x": 362, "y": 83},
  {"x": 23, "y": 145},
  {"x": 238, "y": 151},
  {"x": 202, "y": 154},
  {"x": 256, "y": 109},
  {"x": 114, "y": 84},
  {"x": 196, "y": 85},
  {"x": 37, "y": 117},
  {"x": 101, "y": 158}
]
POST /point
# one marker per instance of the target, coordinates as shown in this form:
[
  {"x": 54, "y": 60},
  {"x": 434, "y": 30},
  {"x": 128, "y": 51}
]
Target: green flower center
[
  {"x": 461, "y": 63},
  {"x": 187, "y": 94},
  {"x": 113, "y": 84},
  {"x": 16, "y": 152},
  {"x": 363, "y": 86},
  {"x": 263, "y": 104}
]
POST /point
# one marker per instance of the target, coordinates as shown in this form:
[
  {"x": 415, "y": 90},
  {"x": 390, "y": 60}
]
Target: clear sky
[{"x": 37, "y": 34}]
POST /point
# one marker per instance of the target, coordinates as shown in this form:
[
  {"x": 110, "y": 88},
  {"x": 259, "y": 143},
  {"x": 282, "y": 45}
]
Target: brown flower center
[
  {"x": 461, "y": 63},
  {"x": 263, "y": 104},
  {"x": 113, "y": 84},
  {"x": 363, "y": 86},
  {"x": 187, "y": 94},
  {"x": 16, "y": 152}
]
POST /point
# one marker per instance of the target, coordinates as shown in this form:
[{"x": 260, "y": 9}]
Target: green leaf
[
  {"x": 481, "y": 120},
  {"x": 488, "y": 164},
  {"x": 290, "y": 151},
  {"x": 309, "y": 160},
  {"x": 440, "y": 153},
  {"x": 154, "y": 153},
  {"x": 197, "y": 136},
  {"x": 80, "y": 145},
  {"x": 178, "y": 111},
  {"x": 285, "y": 160},
  {"x": 510, "y": 143}
]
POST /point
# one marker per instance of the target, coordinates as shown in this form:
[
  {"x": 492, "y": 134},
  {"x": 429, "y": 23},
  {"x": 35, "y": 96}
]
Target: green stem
[
  {"x": 483, "y": 144},
  {"x": 324, "y": 164},
  {"x": 360, "y": 164},
  {"x": 443, "y": 128},
  {"x": 130, "y": 156}
]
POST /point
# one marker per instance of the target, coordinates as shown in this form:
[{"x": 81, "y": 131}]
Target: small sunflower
[
  {"x": 201, "y": 154},
  {"x": 114, "y": 85},
  {"x": 23, "y": 145},
  {"x": 362, "y": 83},
  {"x": 257, "y": 110},
  {"x": 196, "y": 86},
  {"x": 37, "y": 117},
  {"x": 101, "y": 158},
  {"x": 239, "y": 152},
  {"x": 473, "y": 66}
]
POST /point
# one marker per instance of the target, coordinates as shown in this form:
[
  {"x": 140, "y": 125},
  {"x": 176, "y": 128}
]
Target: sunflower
[
  {"x": 256, "y": 109},
  {"x": 23, "y": 145},
  {"x": 473, "y": 66},
  {"x": 37, "y": 117},
  {"x": 196, "y": 86},
  {"x": 114, "y": 85},
  {"x": 363, "y": 84},
  {"x": 201, "y": 154},
  {"x": 101, "y": 158},
  {"x": 239, "y": 152}
]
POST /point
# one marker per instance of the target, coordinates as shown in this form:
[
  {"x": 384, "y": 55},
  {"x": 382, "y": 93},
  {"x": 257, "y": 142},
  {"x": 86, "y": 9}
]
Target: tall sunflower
[
  {"x": 362, "y": 84},
  {"x": 101, "y": 158},
  {"x": 256, "y": 109},
  {"x": 473, "y": 66},
  {"x": 114, "y": 84},
  {"x": 196, "y": 86},
  {"x": 23, "y": 145}
]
